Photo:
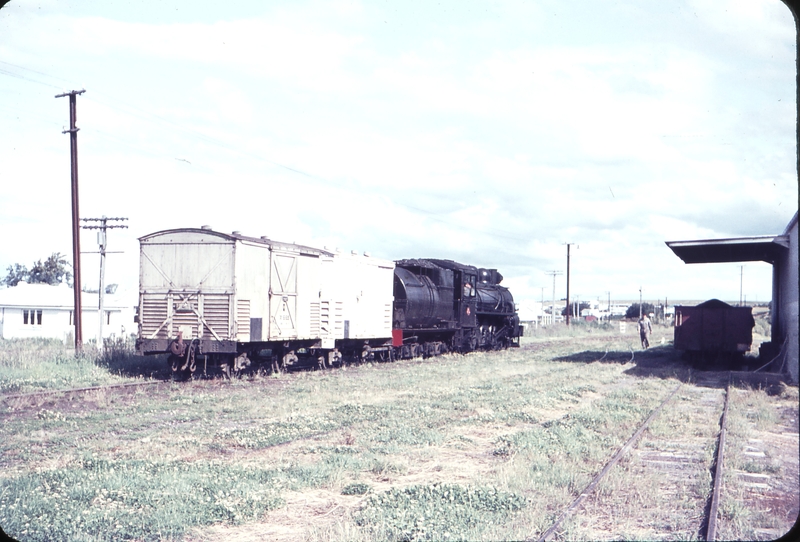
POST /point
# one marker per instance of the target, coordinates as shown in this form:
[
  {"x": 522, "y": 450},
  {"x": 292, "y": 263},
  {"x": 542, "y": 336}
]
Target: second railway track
[{"x": 666, "y": 477}]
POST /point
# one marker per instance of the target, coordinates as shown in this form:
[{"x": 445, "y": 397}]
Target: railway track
[
  {"x": 679, "y": 469},
  {"x": 199, "y": 377},
  {"x": 67, "y": 391}
]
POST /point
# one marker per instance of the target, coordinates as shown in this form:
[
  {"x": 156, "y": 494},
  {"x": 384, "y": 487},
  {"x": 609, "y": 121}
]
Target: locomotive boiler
[{"x": 435, "y": 306}]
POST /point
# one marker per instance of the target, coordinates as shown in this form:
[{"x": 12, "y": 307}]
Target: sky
[{"x": 492, "y": 133}]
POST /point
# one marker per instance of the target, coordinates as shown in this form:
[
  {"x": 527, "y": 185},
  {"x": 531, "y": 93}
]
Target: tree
[
  {"x": 54, "y": 270},
  {"x": 633, "y": 310},
  {"x": 16, "y": 274},
  {"x": 582, "y": 305}
]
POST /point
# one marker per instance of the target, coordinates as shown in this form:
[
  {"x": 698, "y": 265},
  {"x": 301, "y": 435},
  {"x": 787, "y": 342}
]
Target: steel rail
[
  {"x": 79, "y": 390},
  {"x": 711, "y": 531},
  {"x": 593, "y": 484}
]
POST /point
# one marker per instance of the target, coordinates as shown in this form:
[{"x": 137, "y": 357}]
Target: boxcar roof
[{"x": 236, "y": 236}]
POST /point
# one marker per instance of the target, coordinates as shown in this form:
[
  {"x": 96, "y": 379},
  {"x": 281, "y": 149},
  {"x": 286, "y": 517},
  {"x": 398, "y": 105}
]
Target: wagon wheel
[{"x": 240, "y": 363}]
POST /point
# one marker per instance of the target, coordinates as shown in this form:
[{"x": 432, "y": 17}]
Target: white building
[
  {"x": 530, "y": 311},
  {"x": 42, "y": 310}
]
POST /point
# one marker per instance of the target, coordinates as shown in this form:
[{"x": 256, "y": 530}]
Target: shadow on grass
[
  {"x": 665, "y": 362},
  {"x": 656, "y": 356},
  {"x": 134, "y": 366}
]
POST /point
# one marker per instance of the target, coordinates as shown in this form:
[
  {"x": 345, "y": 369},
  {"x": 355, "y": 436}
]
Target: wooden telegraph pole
[
  {"x": 103, "y": 225},
  {"x": 76, "y": 231},
  {"x": 569, "y": 308},
  {"x": 553, "y": 309}
]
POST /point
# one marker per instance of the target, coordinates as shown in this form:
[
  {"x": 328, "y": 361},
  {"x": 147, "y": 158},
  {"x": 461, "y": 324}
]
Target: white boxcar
[
  {"x": 363, "y": 285},
  {"x": 230, "y": 294}
]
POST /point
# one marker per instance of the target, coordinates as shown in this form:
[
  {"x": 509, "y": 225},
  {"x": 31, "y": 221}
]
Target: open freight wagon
[{"x": 714, "y": 331}]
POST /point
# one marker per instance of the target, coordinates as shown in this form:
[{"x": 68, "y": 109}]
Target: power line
[
  {"x": 148, "y": 116},
  {"x": 32, "y": 71},
  {"x": 18, "y": 76}
]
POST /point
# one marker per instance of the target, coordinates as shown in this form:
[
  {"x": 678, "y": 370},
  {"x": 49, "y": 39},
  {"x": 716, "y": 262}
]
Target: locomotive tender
[{"x": 234, "y": 300}]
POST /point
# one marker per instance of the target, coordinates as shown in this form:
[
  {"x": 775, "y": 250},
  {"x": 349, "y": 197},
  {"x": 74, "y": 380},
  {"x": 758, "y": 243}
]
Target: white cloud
[
  {"x": 763, "y": 23},
  {"x": 435, "y": 133},
  {"x": 230, "y": 102}
]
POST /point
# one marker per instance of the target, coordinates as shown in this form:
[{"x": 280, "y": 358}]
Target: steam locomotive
[{"x": 235, "y": 301}]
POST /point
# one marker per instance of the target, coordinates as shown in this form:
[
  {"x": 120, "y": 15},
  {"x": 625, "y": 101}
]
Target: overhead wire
[{"x": 148, "y": 116}]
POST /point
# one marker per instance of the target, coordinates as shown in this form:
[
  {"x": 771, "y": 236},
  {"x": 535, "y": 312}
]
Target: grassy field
[
  {"x": 29, "y": 365},
  {"x": 487, "y": 446}
]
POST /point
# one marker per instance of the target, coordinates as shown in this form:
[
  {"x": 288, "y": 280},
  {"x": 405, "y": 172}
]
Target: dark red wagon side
[{"x": 714, "y": 327}]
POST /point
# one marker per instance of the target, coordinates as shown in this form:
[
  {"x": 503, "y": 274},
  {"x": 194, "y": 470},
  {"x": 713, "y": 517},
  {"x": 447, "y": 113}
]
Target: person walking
[{"x": 645, "y": 329}]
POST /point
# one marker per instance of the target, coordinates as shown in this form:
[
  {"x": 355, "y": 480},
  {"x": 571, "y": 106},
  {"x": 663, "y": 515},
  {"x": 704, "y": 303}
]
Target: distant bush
[{"x": 633, "y": 310}]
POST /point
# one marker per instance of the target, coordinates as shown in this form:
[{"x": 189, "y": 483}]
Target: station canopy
[{"x": 765, "y": 248}]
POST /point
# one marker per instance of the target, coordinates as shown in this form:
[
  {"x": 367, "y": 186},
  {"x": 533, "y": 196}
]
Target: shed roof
[{"x": 765, "y": 248}]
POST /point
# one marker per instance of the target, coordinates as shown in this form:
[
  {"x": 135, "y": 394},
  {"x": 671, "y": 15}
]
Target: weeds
[
  {"x": 138, "y": 500},
  {"x": 480, "y": 446},
  {"x": 28, "y": 365},
  {"x": 272, "y": 433},
  {"x": 358, "y": 488},
  {"x": 437, "y": 512}
]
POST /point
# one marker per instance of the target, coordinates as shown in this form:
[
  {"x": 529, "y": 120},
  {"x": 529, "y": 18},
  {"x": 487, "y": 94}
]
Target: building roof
[
  {"x": 46, "y": 296},
  {"x": 765, "y": 248}
]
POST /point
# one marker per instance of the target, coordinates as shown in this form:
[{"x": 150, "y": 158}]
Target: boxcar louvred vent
[
  {"x": 243, "y": 317},
  {"x": 216, "y": 313},
  {"x": 154, "y": 316}
]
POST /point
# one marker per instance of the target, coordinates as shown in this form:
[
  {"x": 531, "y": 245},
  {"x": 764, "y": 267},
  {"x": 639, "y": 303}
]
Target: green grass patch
[
  {"x": 437, "y": 512},
  {"x": 94, "y": 499},
  {"x": 271, "y": 433}
]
